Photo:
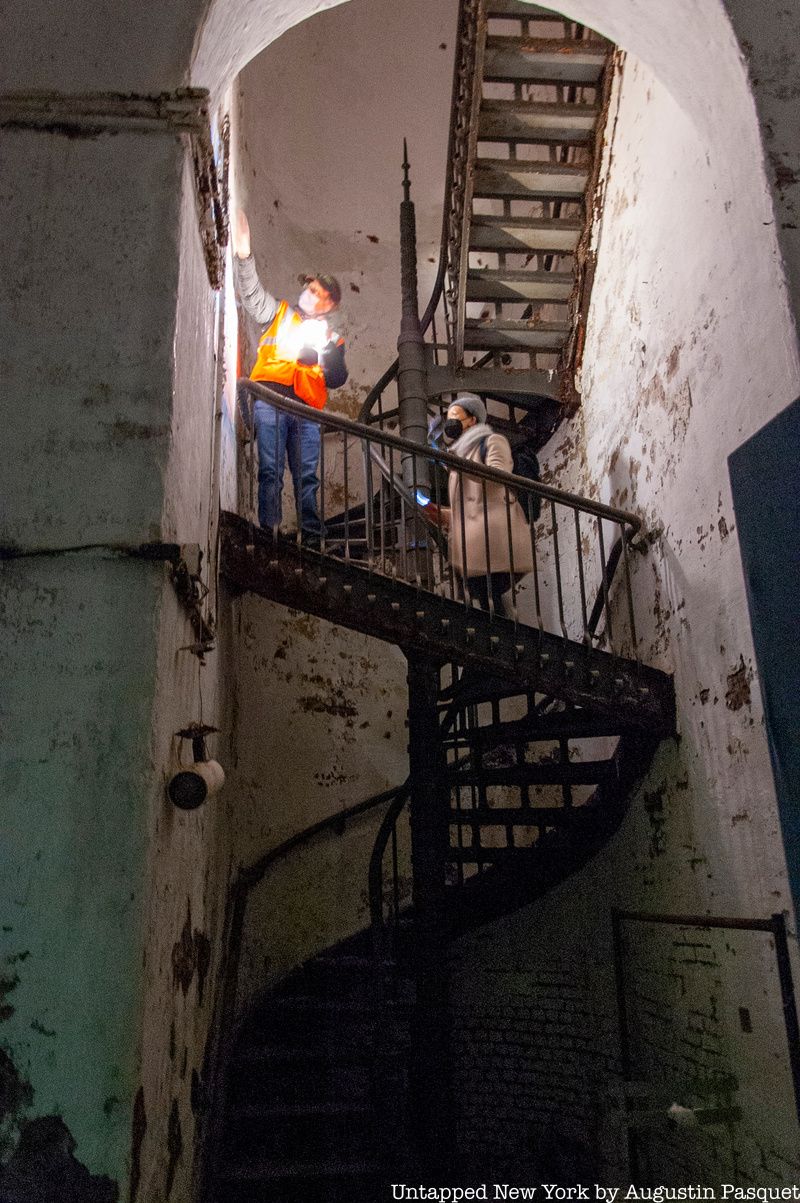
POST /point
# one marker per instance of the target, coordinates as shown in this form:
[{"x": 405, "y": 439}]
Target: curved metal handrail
[
  {"x": 396, "y": 442},
  {"x": 236, "y": 912},
  {"x": 375, "y": 874}
]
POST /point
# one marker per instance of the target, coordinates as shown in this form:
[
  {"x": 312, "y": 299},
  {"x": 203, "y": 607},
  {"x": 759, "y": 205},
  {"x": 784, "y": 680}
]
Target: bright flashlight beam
[{"x": 293, "y": 337}]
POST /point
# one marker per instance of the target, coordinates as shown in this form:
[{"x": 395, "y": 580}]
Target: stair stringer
[{"x": 559, "y": 854}]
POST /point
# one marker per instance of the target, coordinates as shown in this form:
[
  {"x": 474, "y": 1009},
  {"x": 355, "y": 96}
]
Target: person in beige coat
[{"x": 482, "y": 560}]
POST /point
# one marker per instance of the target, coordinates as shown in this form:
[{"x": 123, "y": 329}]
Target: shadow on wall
[{"x": 43, "y": 1168}]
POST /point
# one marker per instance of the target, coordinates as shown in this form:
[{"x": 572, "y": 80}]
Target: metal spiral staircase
[{"x": 527, "y": 730}]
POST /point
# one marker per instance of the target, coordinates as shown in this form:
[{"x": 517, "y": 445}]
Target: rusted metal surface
[
  {"x": 585, "y": 258},
  {"x": 395, "y": 611}
]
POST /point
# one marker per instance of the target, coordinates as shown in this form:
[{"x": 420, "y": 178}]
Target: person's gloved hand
[{"x": 308, "y": 357}]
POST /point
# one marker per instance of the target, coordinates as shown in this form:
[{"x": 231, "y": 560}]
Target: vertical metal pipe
[
  {"x": 788, "y": 1001},
  {"x": 322, "y": 490},
  {"x": 411, "y": 375},
  {"x": 429, "y": 847},
  {"x": 624, "y": 1034},
  {"x": 346, "y": 497}
]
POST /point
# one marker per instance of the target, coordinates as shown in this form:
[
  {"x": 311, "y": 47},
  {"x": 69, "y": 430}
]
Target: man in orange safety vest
[{"x": 300, "y": 357}]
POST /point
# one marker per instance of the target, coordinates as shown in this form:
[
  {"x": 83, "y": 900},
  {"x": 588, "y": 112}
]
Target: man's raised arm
[{"x": 260, "y": 304}]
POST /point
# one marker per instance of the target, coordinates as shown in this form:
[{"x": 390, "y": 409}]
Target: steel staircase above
[
  {"x": 528, "y": 117},
  {"x": 507, "y": 313}
]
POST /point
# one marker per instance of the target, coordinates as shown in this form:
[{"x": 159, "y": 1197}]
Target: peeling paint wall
[
  {"x": 321, "y": 726},
  {"x": 87, "y": 371},
  {"x": 690, "y": 348}
]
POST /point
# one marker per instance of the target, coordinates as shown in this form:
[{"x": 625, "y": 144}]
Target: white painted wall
[
  {"x": 322, "y": 127},
  {"x": 690, "y": 348}
]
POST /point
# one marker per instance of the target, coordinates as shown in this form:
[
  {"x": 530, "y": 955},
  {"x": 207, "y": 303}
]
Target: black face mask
[{"x": 453, "y": 428}]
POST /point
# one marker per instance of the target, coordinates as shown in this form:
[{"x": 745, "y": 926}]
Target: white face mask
[{"x": 308, "y": 302}]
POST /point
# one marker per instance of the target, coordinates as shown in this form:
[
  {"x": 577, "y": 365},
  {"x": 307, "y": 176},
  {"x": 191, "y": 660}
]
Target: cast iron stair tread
[
  {"x": 273, "y": 1170},
  {"x": 349, "y": 595},
  {"x": 488, "y": 284},
  {"x": 537, "y": 729},
  {"x": 544, "y": 60},
  {"x": 511, "y": 335},
  {"x": 528, "y": 179},
  {"x": 482, "y": 855},
  {"x": 526, "y": 383},
  {"x": 573, "y": 772},
  {"x": 524, "y": 234},
  {"x": 536, "y": 121},
  {"x": 513, "y": 816},
  {"x": 504, "y": 9}
]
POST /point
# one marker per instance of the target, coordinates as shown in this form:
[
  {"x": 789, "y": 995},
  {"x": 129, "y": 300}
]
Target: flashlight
[{"x": 293, "y": 337}]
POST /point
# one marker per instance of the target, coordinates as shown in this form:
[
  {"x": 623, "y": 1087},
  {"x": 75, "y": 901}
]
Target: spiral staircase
[{"x": 527, "y": 731}]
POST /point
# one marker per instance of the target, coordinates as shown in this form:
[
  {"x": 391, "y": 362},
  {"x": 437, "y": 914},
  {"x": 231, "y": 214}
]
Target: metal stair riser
[
  {"x": 523, "y": 383},
  {"x": 313, "y": 1026},
  {"x": 484, "y": 336}
]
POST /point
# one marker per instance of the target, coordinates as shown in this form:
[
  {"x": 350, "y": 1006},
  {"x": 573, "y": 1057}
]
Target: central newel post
[
  {"x": 412, "y": 394},
  {"x": 432, "y": 1104}
]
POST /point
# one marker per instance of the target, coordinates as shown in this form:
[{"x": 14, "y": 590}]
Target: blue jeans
[{"x": 282, "y": 436}]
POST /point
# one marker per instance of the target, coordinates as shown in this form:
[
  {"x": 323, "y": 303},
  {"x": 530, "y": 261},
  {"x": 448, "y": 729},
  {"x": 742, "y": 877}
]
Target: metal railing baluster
[
  {"x": 487, "y": 549},
  {"x": 508, "y": 502},
  {"x": 581, "y": 581},
  {"x": 557, "y": 567}
]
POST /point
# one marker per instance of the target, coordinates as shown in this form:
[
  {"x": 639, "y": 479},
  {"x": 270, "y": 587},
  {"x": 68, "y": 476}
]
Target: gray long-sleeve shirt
[{"x": 260, "y": 304}]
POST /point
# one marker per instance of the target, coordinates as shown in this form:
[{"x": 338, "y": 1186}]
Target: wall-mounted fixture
[{"x": 189, "y": 788}]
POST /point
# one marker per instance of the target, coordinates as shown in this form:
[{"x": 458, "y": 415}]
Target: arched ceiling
[{"x": 691, "y": 47}]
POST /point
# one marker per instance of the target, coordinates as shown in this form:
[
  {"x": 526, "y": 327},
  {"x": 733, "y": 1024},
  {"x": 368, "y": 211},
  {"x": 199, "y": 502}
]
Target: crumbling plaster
[
  {"x": 92, "y": 230},
  {"x": 690, "y": 348}
]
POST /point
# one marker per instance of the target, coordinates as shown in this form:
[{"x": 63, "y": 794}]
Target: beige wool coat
[{"x": 498, "y": 455}]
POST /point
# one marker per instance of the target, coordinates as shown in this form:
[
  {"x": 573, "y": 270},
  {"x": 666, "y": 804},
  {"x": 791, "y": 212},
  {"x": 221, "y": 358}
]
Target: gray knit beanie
[{"x": 471, "y": 404}]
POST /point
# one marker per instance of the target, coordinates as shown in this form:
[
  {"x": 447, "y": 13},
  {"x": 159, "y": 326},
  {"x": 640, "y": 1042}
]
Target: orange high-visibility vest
[{"x": 307, "y": 381}]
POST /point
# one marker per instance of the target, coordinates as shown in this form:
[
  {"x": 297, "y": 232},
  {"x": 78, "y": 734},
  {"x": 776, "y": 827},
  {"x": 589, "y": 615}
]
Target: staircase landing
[{"x": 352, "y": 596}]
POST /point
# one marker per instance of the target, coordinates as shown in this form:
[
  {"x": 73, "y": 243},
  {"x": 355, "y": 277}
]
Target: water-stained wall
[{"x": 690, "y": 348}]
